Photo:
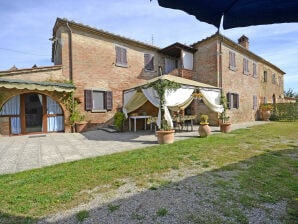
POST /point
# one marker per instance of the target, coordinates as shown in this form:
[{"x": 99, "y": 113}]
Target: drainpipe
[
  {"x": 219, "y": 70},
  {"x": 71, "y": 67},
  {"x": 70, "y": 53}
]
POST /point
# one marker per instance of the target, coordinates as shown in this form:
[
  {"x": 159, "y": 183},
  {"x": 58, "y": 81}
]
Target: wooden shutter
[
  {"x": 118, "y": 55},
  {"x": 121, "y": 58},
  {"x": 88, "y": 100},
  {"x": 254, "y": 70},
  {"x": 109, "y": 100},
  {"x": 255, "y": 102},
  {"x": 229, "y": 100},
  {"x": 237, "y": 100},
  {"x": 245, "y": 66},
  {"x": 232, "y": 61},
  {"x": 265, "y": 76}
]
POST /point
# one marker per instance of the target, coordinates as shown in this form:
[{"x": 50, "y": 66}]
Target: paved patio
[{"x": 19, "y": 153}]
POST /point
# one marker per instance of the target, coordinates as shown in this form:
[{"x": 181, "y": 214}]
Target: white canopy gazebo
[{"x": 136, "y": 96}]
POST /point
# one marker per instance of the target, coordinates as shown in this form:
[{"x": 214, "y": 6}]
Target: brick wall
[
  {"x": 40, "y": 74},
  {"x": 205, "y": 63},
  {"x": 236, "y": 81},
  {"x": 268, "y": 89},
  {"x": 94, "y": 67}
]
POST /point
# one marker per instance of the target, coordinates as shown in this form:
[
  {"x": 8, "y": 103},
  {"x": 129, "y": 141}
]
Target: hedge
[{"x": 285, "y": 111}]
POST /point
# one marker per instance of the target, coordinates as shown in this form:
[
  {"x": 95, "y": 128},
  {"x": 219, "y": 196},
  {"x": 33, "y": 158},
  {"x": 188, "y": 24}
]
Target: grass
[
  {"x": 269, "y": 152},
  {"x": 162, "y": 212},
  {"x": 81, "y": 215}
]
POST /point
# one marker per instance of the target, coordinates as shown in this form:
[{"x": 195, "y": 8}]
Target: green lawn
[{"x": 269, "y": 153}]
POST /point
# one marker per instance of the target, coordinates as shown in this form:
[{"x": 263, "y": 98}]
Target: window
[
  {"x": 149, "y": 62},
  {"x": 279, "y": 81},
  {"x": 233, "y": 100},
  {"x": 245, "y": 66},
  {"x": 273, "y": 79},
  {"x": 265, "y": 76},
  {"x": 121, "y": 57},
  {"x": 254, "y": 70},
  {"x": 232, "y": 60},
  {"x": 255, "y": 102},
  {"x": 98, "y": 101}
]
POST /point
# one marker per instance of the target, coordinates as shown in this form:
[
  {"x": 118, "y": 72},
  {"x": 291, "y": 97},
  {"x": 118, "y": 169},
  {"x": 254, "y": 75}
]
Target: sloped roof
[
  {"x": 174, "y": 50},
  {"x": 99, "y": 32}
]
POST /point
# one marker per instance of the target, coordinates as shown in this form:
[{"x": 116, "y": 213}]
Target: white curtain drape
[
  {"x": 132, "y": 101},
  {"x": 55, "y": 123},
  {"x": 12, "y": 107},
  {"x": 172, "y": 99},
  {"x": 212, "y": 99}
]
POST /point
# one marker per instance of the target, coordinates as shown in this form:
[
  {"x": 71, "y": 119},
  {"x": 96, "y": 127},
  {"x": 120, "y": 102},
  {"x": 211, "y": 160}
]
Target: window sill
[
  {"x": 232, "y": 68},
  {"x": 121, "y": 65},
  {"x": 99, "y": 111}
]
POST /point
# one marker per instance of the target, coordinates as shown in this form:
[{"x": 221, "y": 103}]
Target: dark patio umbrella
[{"x": 237, "y": 13}]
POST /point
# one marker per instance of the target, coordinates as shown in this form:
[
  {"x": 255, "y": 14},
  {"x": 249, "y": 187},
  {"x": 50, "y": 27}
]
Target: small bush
[
  {"x": 162, "y": 212},
  {"x": 81, "y": 215}
]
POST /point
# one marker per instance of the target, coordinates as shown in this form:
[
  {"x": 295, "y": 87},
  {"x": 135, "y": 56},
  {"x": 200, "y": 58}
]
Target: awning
[
  {"x": 136, "y": 96},
  {"x": 182, "y": 81},
  {"x": 32, "y": 85}
]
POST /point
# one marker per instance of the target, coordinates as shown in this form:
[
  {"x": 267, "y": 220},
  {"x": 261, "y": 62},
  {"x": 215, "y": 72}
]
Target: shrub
[{"x": 285, "y": 111}]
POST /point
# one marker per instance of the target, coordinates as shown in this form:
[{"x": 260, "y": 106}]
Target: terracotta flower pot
[
  {"x": 225, "y": 127},
  {"x": 266, "y": 115},
  {"x": 165, "y": 137},
  {"x": 80, "y": 126},
  {"x": 204, "y": 130}
]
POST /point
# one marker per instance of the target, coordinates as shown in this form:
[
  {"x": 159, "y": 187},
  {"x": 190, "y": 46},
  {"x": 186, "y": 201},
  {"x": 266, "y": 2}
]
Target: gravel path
[{"x": 184, "y": 196}]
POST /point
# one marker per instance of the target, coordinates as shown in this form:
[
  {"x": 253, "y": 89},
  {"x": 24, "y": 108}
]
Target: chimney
[{"x": 243, "y": 41}]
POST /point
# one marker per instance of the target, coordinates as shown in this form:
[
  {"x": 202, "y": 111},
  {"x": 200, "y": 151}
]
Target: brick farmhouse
[{"x": 97, "y": 66}]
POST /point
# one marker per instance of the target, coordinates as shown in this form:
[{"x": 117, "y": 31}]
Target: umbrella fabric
[{"x": 237, "y": 13}]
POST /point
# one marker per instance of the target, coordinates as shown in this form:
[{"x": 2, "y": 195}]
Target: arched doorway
[{"x": 32, "y": 113}]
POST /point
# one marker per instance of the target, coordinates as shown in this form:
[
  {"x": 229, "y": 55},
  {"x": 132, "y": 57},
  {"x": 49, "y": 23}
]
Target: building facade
[
  {"x": 240, "y": 74},
  {"x": 95, "y": 67}
]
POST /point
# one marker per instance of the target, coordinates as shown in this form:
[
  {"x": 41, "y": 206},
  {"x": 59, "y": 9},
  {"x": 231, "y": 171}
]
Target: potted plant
[
  {"x": 165, "y": 134},
  {"x": 204, "y": 129},
  {"x": 119, "y": 118},
  {"x": 265, "y": 111},
  {"x": 225, "y": 125},
  {"x": 76, "y": 118}
]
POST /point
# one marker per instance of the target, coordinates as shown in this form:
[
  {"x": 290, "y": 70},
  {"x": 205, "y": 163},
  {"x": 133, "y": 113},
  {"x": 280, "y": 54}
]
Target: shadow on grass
[
  {"x": 9, "y": 219},
  {"x": 257, "y": 190}
]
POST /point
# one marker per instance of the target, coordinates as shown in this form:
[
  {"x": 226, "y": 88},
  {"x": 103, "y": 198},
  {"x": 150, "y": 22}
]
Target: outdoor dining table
[{"x": 134, "y": 118}]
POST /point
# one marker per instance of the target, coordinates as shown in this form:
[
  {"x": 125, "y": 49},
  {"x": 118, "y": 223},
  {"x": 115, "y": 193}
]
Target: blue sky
[{"x": 27, "y": 26}]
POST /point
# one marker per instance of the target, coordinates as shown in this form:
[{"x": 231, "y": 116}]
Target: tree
[
  {"x": 161, "y": 86},
  {"x": 290, "y": 93}
]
